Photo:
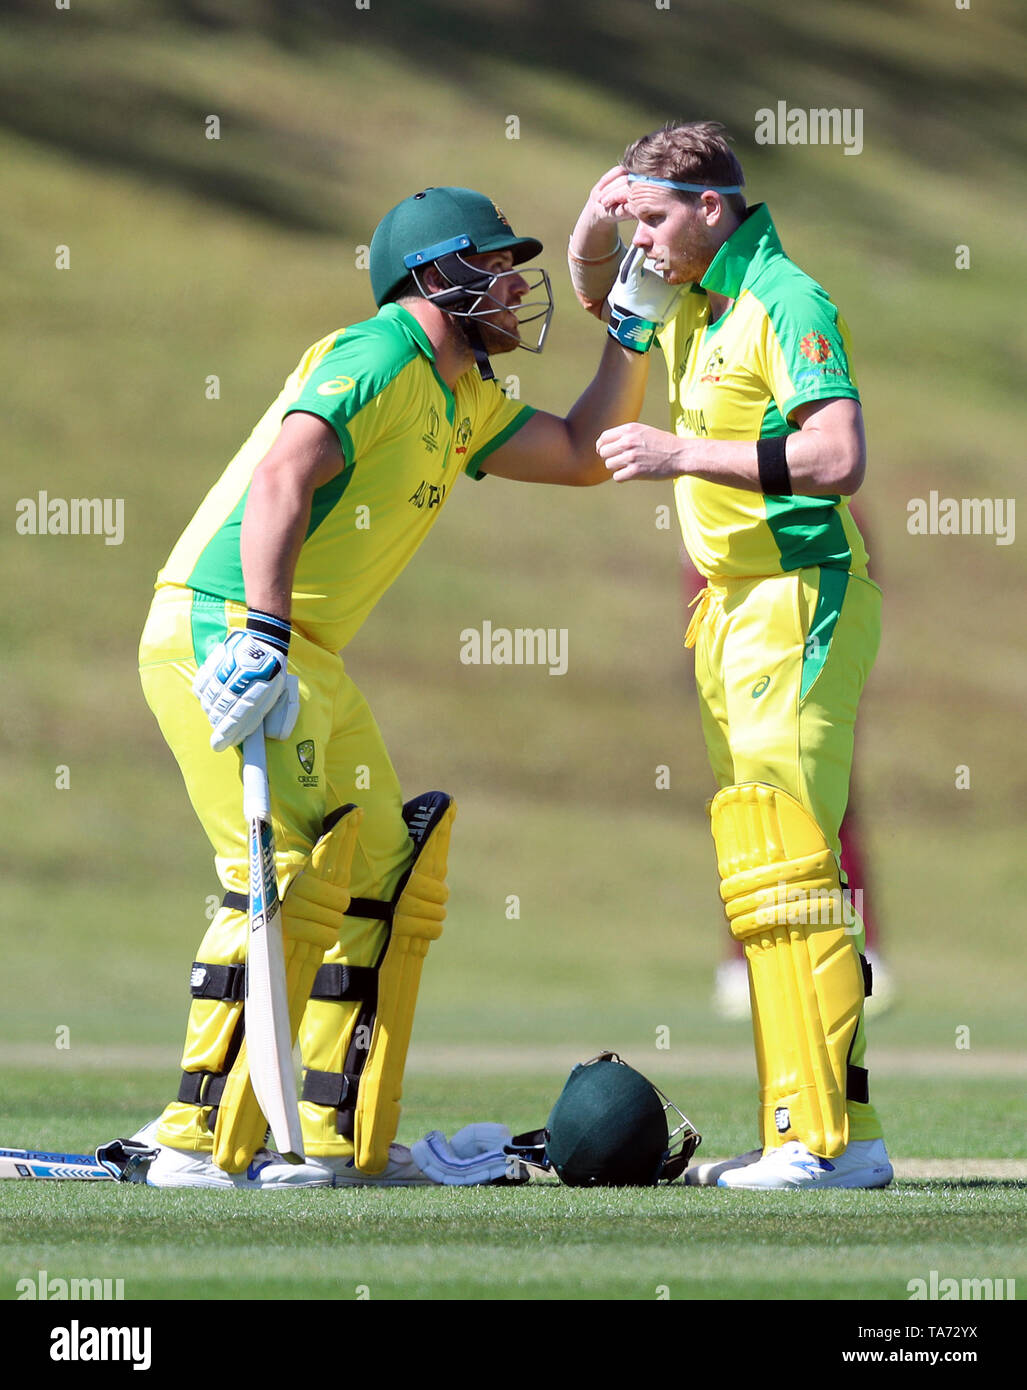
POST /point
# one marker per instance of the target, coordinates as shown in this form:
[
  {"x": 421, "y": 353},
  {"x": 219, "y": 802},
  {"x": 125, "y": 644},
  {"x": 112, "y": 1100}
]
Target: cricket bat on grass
[
  {"x": 38, "y": 1163},
  {"x": 268, "y": 1032}
]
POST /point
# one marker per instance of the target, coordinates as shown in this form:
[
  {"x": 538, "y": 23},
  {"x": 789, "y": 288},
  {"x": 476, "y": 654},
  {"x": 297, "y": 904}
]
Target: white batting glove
[
  {"x": 473, "y": 1158},
  {"x": 282, "y": 719},
  {"x": 243, "y": 681},
  {"x": 641, "y": 302}
]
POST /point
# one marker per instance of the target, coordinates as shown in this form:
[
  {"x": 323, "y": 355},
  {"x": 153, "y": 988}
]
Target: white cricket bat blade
[{"x": 268, "y": 1031}]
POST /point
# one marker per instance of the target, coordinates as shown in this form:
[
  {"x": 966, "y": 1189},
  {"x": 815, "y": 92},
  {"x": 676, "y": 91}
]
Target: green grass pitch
[{"x": 541, "y": 1242}]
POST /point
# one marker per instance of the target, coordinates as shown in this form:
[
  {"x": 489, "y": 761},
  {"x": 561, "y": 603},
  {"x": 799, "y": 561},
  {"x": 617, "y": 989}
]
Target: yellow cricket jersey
[
  {"x": 781, "y": 344},
  {"x": 405, "y": 437}
]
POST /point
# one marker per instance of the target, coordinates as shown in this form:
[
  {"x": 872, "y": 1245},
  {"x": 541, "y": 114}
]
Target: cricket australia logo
[
  {"x": 714, "y": 367},
  {"x": 305, "y": 753},
  {"x": 433, "y": 423},
  {"x": 463, "y": 435}
]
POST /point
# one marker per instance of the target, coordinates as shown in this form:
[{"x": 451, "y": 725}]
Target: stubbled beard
[{"x": 492, "y": 338}]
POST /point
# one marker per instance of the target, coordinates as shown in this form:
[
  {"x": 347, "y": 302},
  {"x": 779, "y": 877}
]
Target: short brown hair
[{"x": 693, "y": 152}]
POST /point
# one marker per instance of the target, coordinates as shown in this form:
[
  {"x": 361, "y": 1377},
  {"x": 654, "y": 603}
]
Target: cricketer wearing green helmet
[
  {"x": 442, "y": 227},
  {"x": 317, "y": 514}
]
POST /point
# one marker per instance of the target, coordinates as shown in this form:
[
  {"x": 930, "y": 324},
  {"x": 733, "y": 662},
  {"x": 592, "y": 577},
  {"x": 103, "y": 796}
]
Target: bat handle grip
[{"x": 256, "y": 793}]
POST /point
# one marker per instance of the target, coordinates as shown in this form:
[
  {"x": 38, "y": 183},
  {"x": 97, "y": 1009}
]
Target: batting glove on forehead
[
  {"x": 240, "y": 684},
  {"x": 641, "y": 302}
]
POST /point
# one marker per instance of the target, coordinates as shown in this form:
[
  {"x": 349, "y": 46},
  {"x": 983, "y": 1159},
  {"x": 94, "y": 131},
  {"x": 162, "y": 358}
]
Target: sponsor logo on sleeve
[
  {"x": 815, "y": 347},
  {"x": 338, "y": 386}
]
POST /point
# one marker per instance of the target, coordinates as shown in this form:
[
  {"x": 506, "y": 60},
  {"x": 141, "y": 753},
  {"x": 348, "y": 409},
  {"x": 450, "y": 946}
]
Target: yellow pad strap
[
  {"x": 417, "y": 921},
  {"x": 781, "y": 890},
  {"x": 312, "y": 911}
]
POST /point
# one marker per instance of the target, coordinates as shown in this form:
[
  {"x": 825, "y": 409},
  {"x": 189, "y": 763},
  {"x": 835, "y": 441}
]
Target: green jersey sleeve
[
  {"x": 349, "y": 377},
  {"x": 496, "y": 419},
  {"x": 806, "y": 349}
]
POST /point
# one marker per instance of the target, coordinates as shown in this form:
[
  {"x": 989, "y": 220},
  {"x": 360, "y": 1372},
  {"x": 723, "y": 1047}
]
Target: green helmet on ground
[{"x": 609, "y": 1128}]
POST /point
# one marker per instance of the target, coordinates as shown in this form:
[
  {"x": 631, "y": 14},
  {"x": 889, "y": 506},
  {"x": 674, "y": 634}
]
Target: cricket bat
[
  {"x": 124, "y": 1160},
  {"x": 38, "y": 1163},
  {"x": 268, "y": 1031}
]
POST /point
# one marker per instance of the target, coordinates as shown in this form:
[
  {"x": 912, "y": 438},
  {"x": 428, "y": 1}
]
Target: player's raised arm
[
  {"x": 549, "y": 449},
  {"x": 596, "y": 250},
  {"x": 554, "y": 449}
]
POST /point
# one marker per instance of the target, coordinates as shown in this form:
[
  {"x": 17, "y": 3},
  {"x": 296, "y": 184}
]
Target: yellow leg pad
[
  {"x": 327, "y": 1031},
  {"x": 417, "y": 921},
  {"x": 209, "y": 1033},
  {"x": 782, "y": 894},
  {"x": 312, "y": 912}
]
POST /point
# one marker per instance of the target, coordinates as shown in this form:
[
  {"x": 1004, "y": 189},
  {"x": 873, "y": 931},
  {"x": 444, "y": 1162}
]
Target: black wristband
[
  {"x": 276, "y": 632},
  {"x": 773, "y": 465}
]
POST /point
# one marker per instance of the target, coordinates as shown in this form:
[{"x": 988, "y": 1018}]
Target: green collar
[
  {"x": 747, "y": 245},
  {"x": 409, "y": 324}
]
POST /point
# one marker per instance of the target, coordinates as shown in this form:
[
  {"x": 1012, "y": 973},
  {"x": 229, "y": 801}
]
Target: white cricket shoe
[
  {"x": 400, "y": 1171},
  {"x": 267, "y": 1170},
  {"x": 864, "y": 1163},
  {"x": 707, "y": 1174}
]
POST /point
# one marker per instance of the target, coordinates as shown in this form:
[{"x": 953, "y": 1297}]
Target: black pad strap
[
  {"x": 202, "y": 1087},
  {"x": 240, "y": 902},
  {"x": 360, "y": 983},
  {"x": 217, "y": 981},
  {"x": 868, "y": 976},
  {"x": 374, "y": 908},
  {"x": 346, "y": 982},
  {"x": 857, "y": 1084},
  {"x": 328, "y": 1088}
]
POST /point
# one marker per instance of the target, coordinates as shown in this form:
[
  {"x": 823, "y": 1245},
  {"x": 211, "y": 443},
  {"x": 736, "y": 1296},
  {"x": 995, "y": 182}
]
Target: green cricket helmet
[
  {"x": 441, "y": 227},
  {"x": 609, "y": 1128}
]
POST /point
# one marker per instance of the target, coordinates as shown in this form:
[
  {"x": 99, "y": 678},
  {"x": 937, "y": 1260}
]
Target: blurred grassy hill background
[{"x": 192, "y": 258}]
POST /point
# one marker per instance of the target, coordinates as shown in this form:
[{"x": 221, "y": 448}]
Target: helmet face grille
[{"x": 470, "y": 296}]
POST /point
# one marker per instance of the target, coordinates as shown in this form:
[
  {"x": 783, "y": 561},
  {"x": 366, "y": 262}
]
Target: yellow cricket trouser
[
  {"x": 334, "y": 756},
  {"x": 780, "y": 664}
]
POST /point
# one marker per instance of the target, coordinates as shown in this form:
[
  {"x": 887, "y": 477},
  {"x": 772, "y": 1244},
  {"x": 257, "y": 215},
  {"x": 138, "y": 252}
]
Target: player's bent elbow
[
  {"x": 851, "y": 472},
  {"x": 854, "y": 481},
  {"x": 843, "y": 475}
]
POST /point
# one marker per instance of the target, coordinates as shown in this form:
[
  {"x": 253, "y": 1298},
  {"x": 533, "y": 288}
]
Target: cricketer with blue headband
[{"x": 766, "y": 447}]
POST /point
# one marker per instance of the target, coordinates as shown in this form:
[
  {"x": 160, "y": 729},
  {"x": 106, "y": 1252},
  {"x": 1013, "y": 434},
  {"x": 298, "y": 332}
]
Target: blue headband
[{"x": 686, "y": 187}]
